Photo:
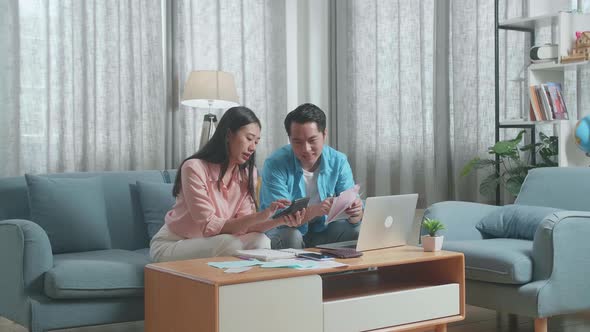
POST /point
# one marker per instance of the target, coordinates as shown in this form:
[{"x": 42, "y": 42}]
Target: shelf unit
[{"x": 538, "y": 73}]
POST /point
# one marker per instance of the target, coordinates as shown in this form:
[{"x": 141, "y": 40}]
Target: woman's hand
[
  {"x": 295, "y": 219},
  {"x": 355, "y": 211},
  {"x": 274, "y": 206}
]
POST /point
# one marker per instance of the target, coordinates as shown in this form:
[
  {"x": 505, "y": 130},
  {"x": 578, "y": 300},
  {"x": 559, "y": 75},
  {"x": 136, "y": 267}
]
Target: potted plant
[
  {"x": 431, "y": 242},
  {"x": 509, "y": 166}
]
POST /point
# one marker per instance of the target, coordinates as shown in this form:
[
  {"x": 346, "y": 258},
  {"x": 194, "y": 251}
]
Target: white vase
[{"x": 431, "y": 243}]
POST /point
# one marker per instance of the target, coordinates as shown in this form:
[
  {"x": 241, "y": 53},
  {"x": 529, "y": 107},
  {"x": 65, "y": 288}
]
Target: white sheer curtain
[
  {"x": 387, "y": 121},
  {"x": 408, "y": 121},
  {"x": 417, "y": 100},
  {"x": 471, "y": 89},
  {"x": 245, "y": 38},
  {"x": 82, "y": 86},
  {"x": 472, "y": 83}
]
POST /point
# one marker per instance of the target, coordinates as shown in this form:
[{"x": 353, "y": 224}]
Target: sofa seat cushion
[
  {"x": 506, "y": 261},
  {"x": 96, "y": 274}
]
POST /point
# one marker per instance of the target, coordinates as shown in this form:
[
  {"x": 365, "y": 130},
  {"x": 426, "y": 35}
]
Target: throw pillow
[
  {"x": 71, "y": 211},
  {"x": 514, "y": 221},
  {"x": 156, "y": 200}
]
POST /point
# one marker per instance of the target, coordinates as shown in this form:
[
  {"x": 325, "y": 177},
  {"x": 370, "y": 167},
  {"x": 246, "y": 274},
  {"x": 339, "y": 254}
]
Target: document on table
[
  {"x": 237, "y": 269},
  {"x": 302, "y": 264},
  {"x": 341, "y": 203},
  {"x": 234, "y": 264},
  {"x": 291, "y": 263},
  {"x": 323, "y": 265}
]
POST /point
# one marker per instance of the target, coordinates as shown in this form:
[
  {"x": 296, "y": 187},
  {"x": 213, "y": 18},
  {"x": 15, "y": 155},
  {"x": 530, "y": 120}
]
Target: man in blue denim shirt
[{"x": 307, "y": 167}]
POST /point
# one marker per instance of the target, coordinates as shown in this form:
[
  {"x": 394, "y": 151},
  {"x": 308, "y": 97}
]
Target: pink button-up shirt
[{"x": 201, "y": 208}]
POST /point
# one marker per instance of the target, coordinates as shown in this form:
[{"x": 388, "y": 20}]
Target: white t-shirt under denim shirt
[{"x": 311, "y": 186}]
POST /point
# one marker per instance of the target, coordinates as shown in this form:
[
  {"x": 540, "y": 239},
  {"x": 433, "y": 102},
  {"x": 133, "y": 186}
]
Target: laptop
[{"x": 387, "y": 221}]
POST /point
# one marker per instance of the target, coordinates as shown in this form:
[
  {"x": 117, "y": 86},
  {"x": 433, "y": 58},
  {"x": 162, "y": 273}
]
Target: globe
[{"x": 582, "y": 134}]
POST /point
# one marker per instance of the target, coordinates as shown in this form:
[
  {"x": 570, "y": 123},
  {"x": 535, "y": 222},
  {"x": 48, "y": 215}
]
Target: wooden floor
[{"x": 478, "y": 320}]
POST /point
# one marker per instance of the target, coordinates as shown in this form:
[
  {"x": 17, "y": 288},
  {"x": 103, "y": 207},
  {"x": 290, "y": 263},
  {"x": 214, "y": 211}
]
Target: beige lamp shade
[{"x": 210, "y": 88}]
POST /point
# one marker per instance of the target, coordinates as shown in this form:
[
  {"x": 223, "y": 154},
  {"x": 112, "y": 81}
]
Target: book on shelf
[
  {"x": 557, "y": 97},
  {"x": 536, "y": 104},
  {"x": 549, "y": 106},
  {"x": 547, "y": 102}
]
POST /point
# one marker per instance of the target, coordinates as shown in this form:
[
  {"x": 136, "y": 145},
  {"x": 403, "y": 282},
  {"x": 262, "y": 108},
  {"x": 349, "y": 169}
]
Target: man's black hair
[{"x": 305, "y": 113}]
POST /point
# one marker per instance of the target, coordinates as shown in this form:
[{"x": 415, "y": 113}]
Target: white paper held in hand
[{"x": 341, "y": 203}]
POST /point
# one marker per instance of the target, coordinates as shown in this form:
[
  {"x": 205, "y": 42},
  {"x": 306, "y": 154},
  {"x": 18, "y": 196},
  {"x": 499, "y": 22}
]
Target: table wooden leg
[
  {"x": 540, "y": 324},
  {"x": 442, "y": 328}
]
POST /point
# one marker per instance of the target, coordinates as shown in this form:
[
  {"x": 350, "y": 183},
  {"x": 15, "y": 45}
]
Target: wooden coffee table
[{"x": 394, "y": 289}]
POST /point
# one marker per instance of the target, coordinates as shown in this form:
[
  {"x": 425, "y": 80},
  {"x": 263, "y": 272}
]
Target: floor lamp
[{"x": 209, "y": 89}]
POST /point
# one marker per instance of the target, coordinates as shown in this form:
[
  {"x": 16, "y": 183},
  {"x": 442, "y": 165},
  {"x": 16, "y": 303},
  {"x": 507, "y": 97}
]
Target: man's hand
[
  {"x": 318, "y": 210},
  {"x": 355, "y": 211},
  {"x": 321, "y": 209},
  {"x": 326, "y": 205}
]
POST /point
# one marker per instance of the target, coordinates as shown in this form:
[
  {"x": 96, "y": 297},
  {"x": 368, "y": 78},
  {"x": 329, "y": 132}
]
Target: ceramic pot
[{"x": 430, "y": 243}]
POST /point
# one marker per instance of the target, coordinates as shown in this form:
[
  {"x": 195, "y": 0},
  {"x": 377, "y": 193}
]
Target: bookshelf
[
  {"x": 541, "y": 73},
  {"x": 524, "y": 23}
]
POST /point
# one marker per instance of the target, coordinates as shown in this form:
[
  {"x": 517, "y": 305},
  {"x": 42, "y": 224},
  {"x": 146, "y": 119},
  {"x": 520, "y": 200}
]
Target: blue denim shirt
[{"x": 282, "y": 177}]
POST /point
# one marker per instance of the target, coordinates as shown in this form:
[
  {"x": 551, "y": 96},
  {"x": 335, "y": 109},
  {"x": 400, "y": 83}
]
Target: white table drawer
[{"x": 390, "y": 309}]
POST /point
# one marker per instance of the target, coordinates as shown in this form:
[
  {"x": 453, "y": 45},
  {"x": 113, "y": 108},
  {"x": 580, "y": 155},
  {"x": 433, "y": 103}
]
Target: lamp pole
[{"x": 209, "y": 124}]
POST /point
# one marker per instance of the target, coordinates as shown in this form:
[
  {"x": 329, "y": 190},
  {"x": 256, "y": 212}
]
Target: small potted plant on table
[{"x": 431, "y": 242}]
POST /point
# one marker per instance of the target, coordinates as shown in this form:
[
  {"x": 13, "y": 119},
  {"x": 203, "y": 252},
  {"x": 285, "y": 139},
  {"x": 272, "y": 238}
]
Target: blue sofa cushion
[
  {"x": 514, "y": 221},
  {"x": 96, "y": 274},
  {"x": 156, "y": 200},
  {"x": 505, "y": 261},
  {"x": 71, "y": 211}
]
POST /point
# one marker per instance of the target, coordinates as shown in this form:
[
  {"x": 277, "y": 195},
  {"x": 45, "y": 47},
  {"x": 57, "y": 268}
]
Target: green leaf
[
  {"x": 469, "y": 166},
  {"x": 513, "y": 185},
  {"x": 503, "y": 148},
  {"x": 508, "y": 148},
  {"x": 515, "y": 168},
  {"x": 432, "y": 226},
  {"x": 518, "y": 171},
  {"x": 476, "y": 163},
  {"x": 488, "y": 185},
  {"x": 530, "y": 147}
]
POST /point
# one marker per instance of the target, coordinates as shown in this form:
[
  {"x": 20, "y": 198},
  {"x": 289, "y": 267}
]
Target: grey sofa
[
  {"x": 540, "y": 277},
  {"x": 43, "y": 290}
]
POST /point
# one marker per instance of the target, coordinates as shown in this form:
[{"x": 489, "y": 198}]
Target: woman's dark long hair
[{"x": 216, "y": 150}]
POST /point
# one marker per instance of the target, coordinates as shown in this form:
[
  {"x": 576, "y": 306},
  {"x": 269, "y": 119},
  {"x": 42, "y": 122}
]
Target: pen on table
[{"x": 245, "y": 258}]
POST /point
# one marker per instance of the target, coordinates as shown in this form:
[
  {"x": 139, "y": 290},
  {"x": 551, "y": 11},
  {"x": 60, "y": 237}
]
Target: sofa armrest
[
  {"x": 25, "y": 255},
  {"x": 459, "y": 218},
  {"x": 561, "y": 262}
]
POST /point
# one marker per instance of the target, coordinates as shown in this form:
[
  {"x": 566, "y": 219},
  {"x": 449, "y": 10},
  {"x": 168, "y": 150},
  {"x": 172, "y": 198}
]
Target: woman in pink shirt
[{"x": 215, "y": 211}]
